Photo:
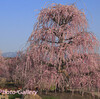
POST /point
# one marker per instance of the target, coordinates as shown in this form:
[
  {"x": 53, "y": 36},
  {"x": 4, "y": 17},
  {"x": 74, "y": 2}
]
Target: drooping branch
[
  {"x": 60, "y": 44},
  {"x": 63, "y": 20}
]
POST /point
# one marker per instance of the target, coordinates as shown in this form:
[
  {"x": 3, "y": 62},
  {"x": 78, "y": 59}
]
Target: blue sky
[{"x": 17, "y": 18}]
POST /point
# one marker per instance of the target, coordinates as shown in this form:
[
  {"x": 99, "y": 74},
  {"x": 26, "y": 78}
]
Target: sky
[{"x": 17, "y": 18}]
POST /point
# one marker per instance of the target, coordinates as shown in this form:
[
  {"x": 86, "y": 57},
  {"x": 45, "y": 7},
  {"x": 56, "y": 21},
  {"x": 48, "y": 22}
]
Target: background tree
[
  {"x": 4, "y": 74},
  {"x": 3, "y": 68},
  {"x": 61, "y": 51}
]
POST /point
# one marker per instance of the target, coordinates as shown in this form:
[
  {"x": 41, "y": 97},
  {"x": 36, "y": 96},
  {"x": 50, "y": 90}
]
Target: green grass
[
  {"x": 14, "y": 96},
  {"x": 50, "y": 97}
]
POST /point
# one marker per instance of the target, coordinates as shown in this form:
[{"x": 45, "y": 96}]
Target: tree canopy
[{"x": 61, "y": 51}]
